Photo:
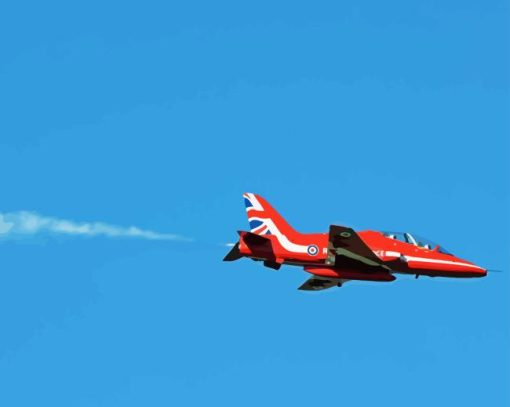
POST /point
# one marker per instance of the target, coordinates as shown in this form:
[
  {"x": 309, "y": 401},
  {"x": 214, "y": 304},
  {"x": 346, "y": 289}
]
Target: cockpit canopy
[{"x": 416, "y": 240}]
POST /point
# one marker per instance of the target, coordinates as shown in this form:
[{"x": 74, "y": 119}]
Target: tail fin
[{"x": 264, "y": 220}]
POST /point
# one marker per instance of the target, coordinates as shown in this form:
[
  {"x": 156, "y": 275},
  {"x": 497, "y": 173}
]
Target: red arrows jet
[{"x": 342, "y": 254}]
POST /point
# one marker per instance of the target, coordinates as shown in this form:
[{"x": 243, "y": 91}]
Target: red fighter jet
[{"x": 342, "y": 254}]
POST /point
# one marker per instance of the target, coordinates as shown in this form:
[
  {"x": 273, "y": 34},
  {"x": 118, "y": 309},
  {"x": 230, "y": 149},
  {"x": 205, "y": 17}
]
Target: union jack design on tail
[
  {"x": 265, "y": 220},
  {"x": 257, "y": 216}
]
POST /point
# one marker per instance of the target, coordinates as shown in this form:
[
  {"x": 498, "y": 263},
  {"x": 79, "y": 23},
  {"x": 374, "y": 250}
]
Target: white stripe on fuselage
[{"x": 437, "y": 261}]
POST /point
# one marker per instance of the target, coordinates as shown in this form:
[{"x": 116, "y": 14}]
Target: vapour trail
[{"x": 25, "y": 224}]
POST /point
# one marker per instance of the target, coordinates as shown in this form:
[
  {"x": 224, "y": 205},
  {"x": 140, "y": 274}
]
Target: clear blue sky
[{"x": 382, "y": 115}]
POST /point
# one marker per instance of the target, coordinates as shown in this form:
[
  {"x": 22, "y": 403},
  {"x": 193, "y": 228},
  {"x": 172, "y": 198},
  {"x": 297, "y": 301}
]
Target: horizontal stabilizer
[
  {"x": 251, "y": 239},
  {"x": 233, "y": 254}
]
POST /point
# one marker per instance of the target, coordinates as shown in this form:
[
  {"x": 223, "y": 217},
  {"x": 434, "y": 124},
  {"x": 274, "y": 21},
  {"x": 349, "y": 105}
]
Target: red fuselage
[
  {"x": 343, "y": 254},
  {"x": 400, "y": 256}
]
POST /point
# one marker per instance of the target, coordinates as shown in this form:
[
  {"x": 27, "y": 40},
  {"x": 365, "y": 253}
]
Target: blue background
[{"x": 382, "y": 115}]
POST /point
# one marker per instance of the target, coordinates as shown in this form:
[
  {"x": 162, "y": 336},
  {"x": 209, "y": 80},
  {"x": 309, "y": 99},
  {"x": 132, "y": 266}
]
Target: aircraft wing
[
  {"x": 346, "y": 249},
  {"x": 316, "y": 284}
]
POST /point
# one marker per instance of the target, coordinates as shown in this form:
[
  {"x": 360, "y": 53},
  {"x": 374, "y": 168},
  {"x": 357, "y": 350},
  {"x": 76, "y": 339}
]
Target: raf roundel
[{"x": 312, "y": 250}]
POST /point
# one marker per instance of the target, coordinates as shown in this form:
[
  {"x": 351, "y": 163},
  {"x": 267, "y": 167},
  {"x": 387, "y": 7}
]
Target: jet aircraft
[{"x": 342, "y": 254}]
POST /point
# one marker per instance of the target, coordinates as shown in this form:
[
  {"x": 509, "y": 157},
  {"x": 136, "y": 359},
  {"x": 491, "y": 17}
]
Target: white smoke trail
[{"x": 24, "y": 223}]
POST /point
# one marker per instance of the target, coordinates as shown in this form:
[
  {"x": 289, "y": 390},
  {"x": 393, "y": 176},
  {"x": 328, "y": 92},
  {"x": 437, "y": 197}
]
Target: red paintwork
[{"x": 290, "y": 247}]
